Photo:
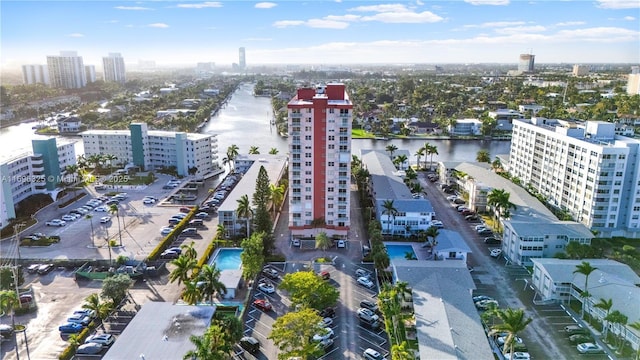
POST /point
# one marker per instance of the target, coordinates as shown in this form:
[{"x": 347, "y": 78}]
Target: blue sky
[{"x": 323, "y": 32}]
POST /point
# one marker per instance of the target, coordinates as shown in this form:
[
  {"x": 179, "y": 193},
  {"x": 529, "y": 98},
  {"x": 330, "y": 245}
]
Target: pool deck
[{"x": 421, "y": 253}]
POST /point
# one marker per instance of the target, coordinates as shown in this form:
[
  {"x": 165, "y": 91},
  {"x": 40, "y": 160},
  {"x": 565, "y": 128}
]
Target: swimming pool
[
  {"x": 227, "y": 259},
  {"x": 398, "y": 251}
]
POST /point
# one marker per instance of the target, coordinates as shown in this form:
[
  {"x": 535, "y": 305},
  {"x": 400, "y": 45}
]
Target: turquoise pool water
[
  {"x": 397, "y": 251},
  {"x": 227, "y": 259}
]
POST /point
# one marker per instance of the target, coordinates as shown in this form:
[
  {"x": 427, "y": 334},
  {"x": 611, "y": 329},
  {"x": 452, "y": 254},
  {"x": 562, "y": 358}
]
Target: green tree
[
  {"x": 391, "y": 212},
  {"x": 400, "y": 160},
  {"x": 391, "y": 148},
  {"x": 110, "y": 158},
  {"x": 323, "y": 242},
  {"x": 115, "y": 209},
  {"x": 616, "y": 317},
  {"x": 293, "y": 331},
  {"x": 277, "y": 196},
  {"x": 430, "y": 150},
  {"x": 192, "y": 294},
  {"x": 513, "y": 322},
  {"x": 221, "y": 232},
  {"x": 245, "y": 211},
  {"x": 116, "y": 287},
  {"x": 309, "y": 290},
  {"x": 252, "y": 255},
  {"x": 262, "y": 194},
  {"x": 189, "y": 250},
  {"x": 209, "y": 282},
  {"x": 585, "y": 269},
  {"x": 419, "y": 154},
  {"x": 95, "y": 303},
  {"x": 209, "y": 346},
  {"x": 273, "y": 151},
  {"x": 483, "y": 156},
  {"x": 183, "y": 267},
  {"x": 232, "y": 154},
  {"x": 401, "y": 351},
  {"x": 232, "y": 327},
  {"x": 606, "y": 305},
  {"x": 499, "y": 200},
  {"x": 431, "y": 235},
  {"x": 254, "y": 150}
]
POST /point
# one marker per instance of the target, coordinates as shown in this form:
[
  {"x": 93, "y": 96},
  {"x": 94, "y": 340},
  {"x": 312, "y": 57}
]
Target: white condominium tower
[
  {"x": 319, "y": 123},
  {"x": 35, "y": 74},
  {"x": 67, "y": 70},
  {"x": 582, "y": 168},
  {"x": 113, "y": 66}
]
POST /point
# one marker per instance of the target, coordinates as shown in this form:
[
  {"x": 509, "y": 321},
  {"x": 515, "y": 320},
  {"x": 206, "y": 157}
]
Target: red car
[{"x": 262, "y": 304}]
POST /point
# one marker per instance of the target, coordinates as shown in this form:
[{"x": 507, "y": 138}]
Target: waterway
[{"x": 245, "y": 122}]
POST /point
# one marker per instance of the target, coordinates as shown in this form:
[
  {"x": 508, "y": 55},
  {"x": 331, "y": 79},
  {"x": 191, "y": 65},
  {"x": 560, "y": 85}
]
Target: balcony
[{"x": 296, "y": 115}]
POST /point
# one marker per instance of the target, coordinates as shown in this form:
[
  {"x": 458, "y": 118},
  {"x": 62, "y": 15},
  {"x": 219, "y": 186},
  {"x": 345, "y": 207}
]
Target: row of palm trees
[
  {"x": 245, "y": 210},
  {"x": 426, "y": 150}
]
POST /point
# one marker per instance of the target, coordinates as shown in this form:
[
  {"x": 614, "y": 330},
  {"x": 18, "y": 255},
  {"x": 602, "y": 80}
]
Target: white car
[
  {"x": 589, "y": 348},
  {"x": 370, "y": 354},
  {"x": 104, "y": 339},
  {"x": 56, "y": 222},
  {"x": 321, "y": 337},
  {"x": 517, "y": 356},
  {"x": 495, "y": 253},
  {"x": 79, "y": 319},
  {"x": 166, "y": 230},
  {"x": 266, "y": 287},
  {"x": 82, "y": 211},
  {"x": 68, "y": 218},
  {"x": 341, "y": 244},
  {"x": 485, "y": 304},
  {"x": 102, "y": 208},
  {"x": 437, "y": 223},
  {"x": 502, "y": 339},
  {"x": 367, "y": 315},
  {"x": 148, "y": 201},
  {"x": 362, "y": 273},
  {"x": 105, "y": 219},
  {"x": 366, "y": 282},
  {"x": 480, "y": 227},
  {"x": 326, "y": 322}
]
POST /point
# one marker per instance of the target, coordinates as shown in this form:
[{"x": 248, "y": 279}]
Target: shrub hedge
[
  {"x": 70, "y": 351},
  {"x": 164, "y": 244}
]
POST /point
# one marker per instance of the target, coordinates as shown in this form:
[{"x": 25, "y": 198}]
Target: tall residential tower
[
  {"x": 113, "y": 67},
  {"x": 526, "y": 63},
  {"x": 242, "y": 61},
  {"x": 319, "y": 124},
  {"x": 67, "y": 70},
  {"x": 35, "y": 74}
]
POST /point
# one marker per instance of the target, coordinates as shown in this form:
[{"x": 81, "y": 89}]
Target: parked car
[
  {"x": 185, "y": 209},
  {"x": 362, "y": 273},
  {"x": 472, "y": 218},
  {"x": 501, "y": 340},
  {"x": 575, "y": 329},
  {"x": 189, "y": 231},
  {"x": 89, "y": 348},
  {"x": 496, "y": 253},
  {"x": 589, "y": 348},
  {"x": 366, "y": 250},
  {"x": 325, "y": 344},
  {"x": 6, "y": 331},
  {"x": 341, "y": 244},
  {"x": 326, "y": 334},
  {"x": 262, "y": 304},
  {"x": 266, "y": 287},
  {"x": 33, "y": 268},
  {"x": 86, "y": 312},
  {"x": 79, "y": 319},
  {"x": 481, "y": 297},
  {"x": 270, "y": 272},
  {"x": 295, "y": 242},
  {"x": 250, "y": 344},
  {"x": 367, "y": 314},
  {"x": 174, "y": 221},
  {"x": 485, "y": 232},
  {"x": 172, "y": 253},
  {"x": 492, "y": 240},
  {"x": 70, "y": 327},
  {"x": 370, "y": 354},
  {"x": 179, "y": 216},
  {"x": 201, "y": 215},
  {"x": 105, "y": 219},
  {"x": 366, "y": 282},
  {"x": 166, "y": 230},
  {"x": 45, "y": 269},
  {"x": 326, "y": 322},
  {"x": 437, "y": 224},
  {"x": 327, "y": 312},
  {"x": 325, "y": 275},
  {"x": 102, "y": 208},
  {"x": 149, "y": 201},
  {"x": 68, "y": 217},
  {"x": 580, "y": 338},
  {"x": 518, "y": 355},
  {"x": 56, "y": 222},
  {"x": 196, "y": 222},
  {"x": 370, "y": 324},
  {"x": 485, "y": 304},
  {"x": 367, "y": 304}
]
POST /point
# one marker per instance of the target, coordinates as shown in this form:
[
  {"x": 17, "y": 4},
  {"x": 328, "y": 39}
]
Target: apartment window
[{"x": 307, "y": 197}]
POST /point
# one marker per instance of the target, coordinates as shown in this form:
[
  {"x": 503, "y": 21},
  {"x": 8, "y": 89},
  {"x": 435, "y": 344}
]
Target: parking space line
[
  {"x": 329, "y": 353},
  {"x": 372, "y": 333}
]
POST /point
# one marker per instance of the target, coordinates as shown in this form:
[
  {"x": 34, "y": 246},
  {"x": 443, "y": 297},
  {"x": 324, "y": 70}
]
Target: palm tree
[
  {"x": 431, "y": 234},
  {"x": 209, "y": 282},
  {"x": 95, "y": 160},
  {"x": 226, "y": 161},
  {"x": 322, "y": 241},
  {"x": 636, "y": 325},
  {"x": 401, "y": 352},
  {"x": 483, "y": 156},
  {"x": 183, "y": 268},
  {"x": 400, "y": 160},
  {"x": 513, "y": 322},
  {"x": 232, "y": 153},
  {"x": 499, "y": 199},
  {"x": 419, "y": 153},
  {"x": 244, "y": 210},
  {"x": 90, "y": 218},
  {"x": 209, "y": 346},
  {"x": 273, "y": 151},
  {"x": 254, "y": 150},
  {"x": 9, "y": 302},
  {"x": 192, "y": 294},
  {"x": 189, "y": 251},
  {"x": 585, "y": 269},
  {"x": 277, "y": 196},
  {"x": 391, "y": 148},
  {"x": 101, "y": 308},
  {"x": 221, "y": 232},
  {"x": 606, "y": 305},
  {"x": 110, "y": 158},
  {"x": 390, "y": 211},
  {"x": 114, "y": 209},
  {"x": 431, "y": 150},
  {"x": 616, "y": 317}
]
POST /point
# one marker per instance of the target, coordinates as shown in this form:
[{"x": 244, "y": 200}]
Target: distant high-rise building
[
  {"x": 90, "y": 73},
  {"x": 526, "y": 63},
  {"x": 35, "y": 74},
  {"x": 113, "y": 67},
  {"x": 205, "y": 66},
  {"x": 633, "y": 83},
  {"x": 319, "y": 124},
  {"x": 242, "y": 61},
  {"x": 580, "y": 70},
  {"x": 67, "y": 70}
]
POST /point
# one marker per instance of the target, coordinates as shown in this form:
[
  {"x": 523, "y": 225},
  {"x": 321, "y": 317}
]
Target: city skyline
[{"x": 340, "y": 32}]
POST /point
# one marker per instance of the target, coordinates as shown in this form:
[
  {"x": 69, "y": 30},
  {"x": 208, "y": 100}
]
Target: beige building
[
  {"x": 580, "y": 70},
  {"x": 633, "y": 82}
]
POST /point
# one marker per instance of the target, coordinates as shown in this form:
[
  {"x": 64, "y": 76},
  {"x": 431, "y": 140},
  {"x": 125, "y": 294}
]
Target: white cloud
[
  {"x": 207, "y": 4},
  {"x": 326, "y": 24},
  {"x": 158, "y": 25},
  {"x": 265, "y": 5},
  {"x": 619, "y": 4},
  {"x": 599, "y": 34},
  {"x": 287, "y": 23},
  {"x": 418, "y": 2},
  {"x": 570, "y": 23},
  {"x": 487, "y": 2},
  {"x": 380, "y": 8},
  {"x": 629, "y": 18},
  {"x": 112, "y": 21},
  {"x": 347, "y": 17},
  {"x": 135, "y": 8},
  {"x": 257, "y": 39},
  {"x": 76, "y": 35},
  {"x": 404, "y": 17},
  {"x": 496, "y": 24},
  {"x": 521, "y": 29}
]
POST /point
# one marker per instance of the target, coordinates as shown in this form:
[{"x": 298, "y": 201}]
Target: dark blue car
[{"x": 69, "y": 327}]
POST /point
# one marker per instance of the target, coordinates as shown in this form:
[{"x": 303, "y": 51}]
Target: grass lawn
[
  {"x": 40, "y": 242},
  {"x": 361, "y": 134}
]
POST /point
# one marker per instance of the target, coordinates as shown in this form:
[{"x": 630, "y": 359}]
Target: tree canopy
[
  {"x": 293, "y": 331},
  {"x": 306, "y": 288}
]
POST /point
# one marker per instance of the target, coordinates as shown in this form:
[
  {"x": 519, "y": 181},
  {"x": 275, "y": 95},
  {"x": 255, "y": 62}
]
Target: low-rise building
[
  {"x": 451, "y": 246},
  {"x": 72, "y": 124},
  {"x": 466, "y": 127},
  {"x": 386, "y": 184}
]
